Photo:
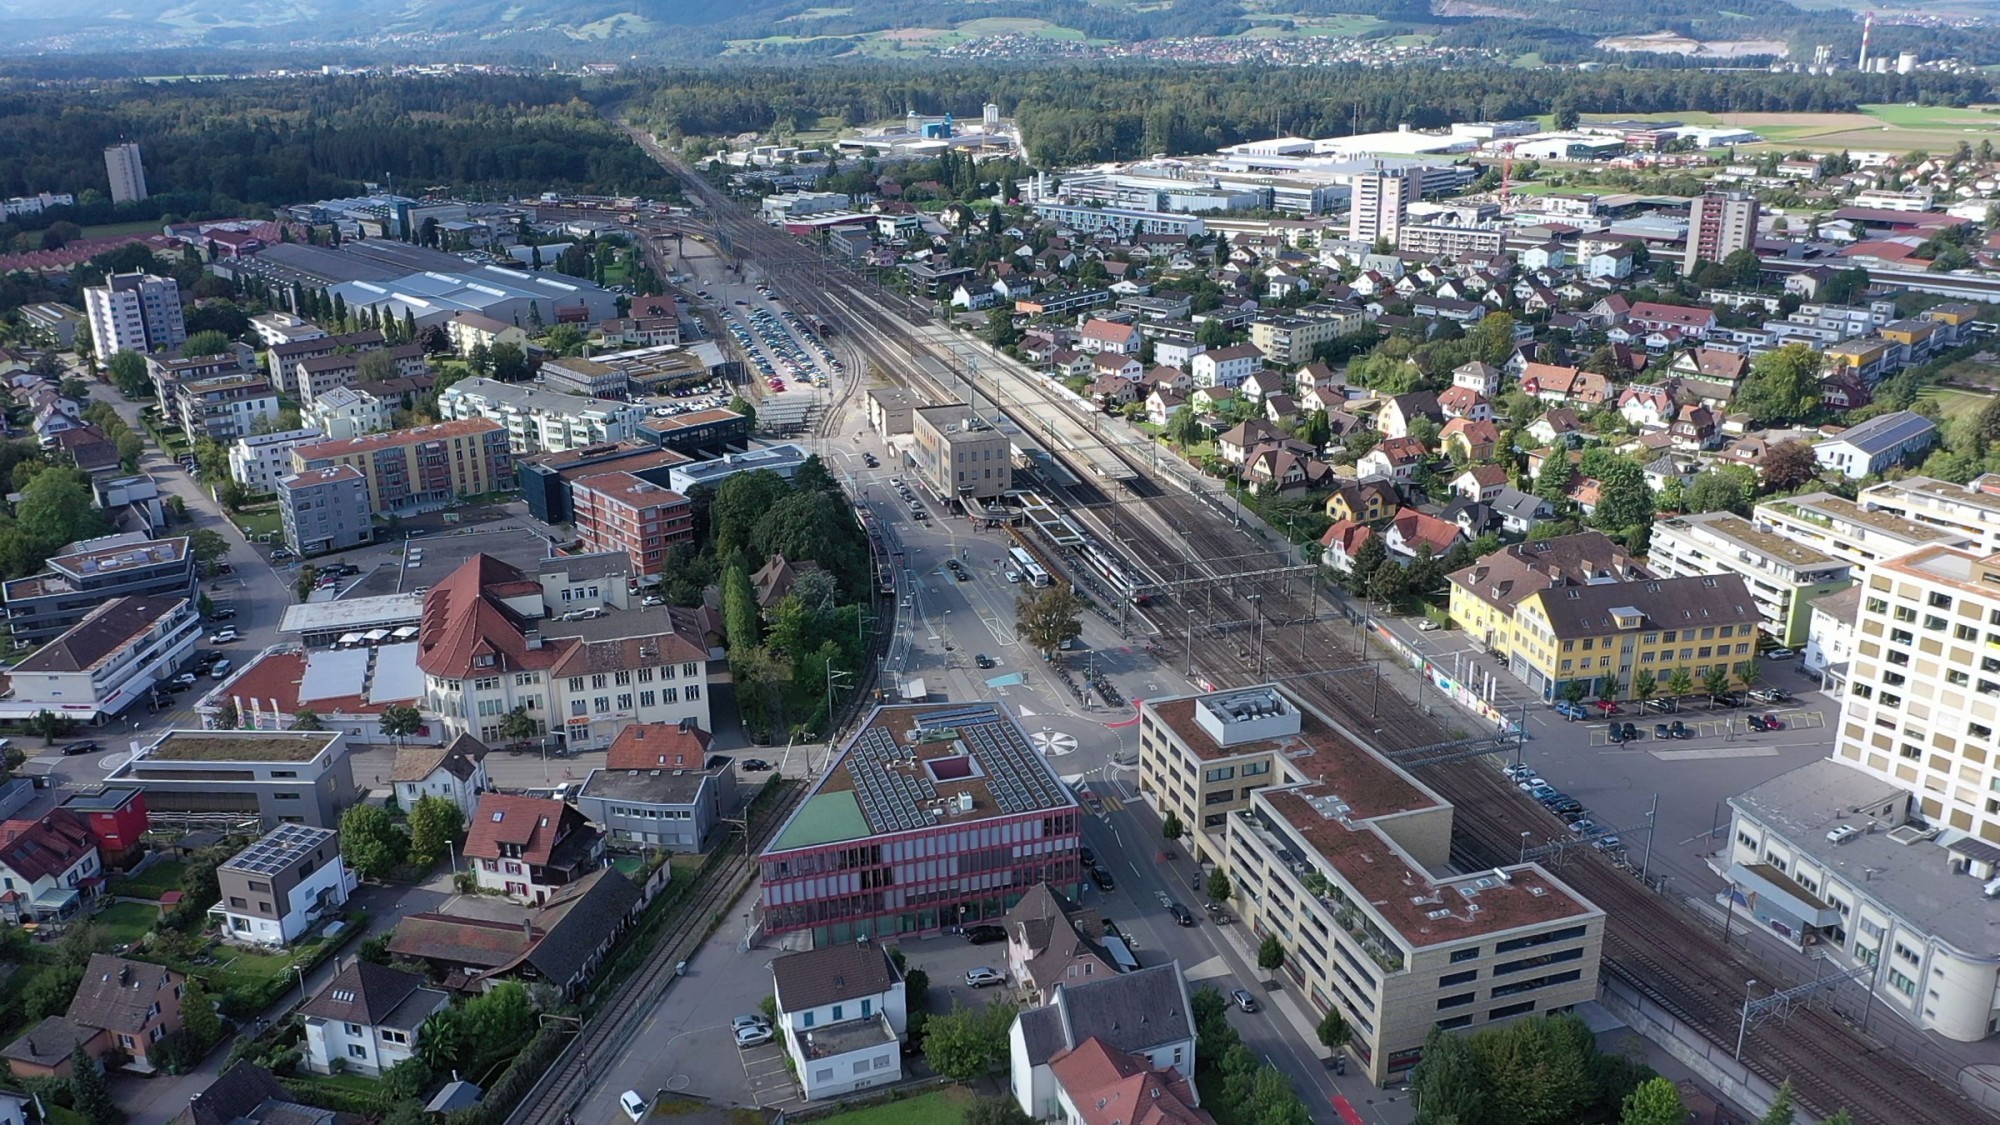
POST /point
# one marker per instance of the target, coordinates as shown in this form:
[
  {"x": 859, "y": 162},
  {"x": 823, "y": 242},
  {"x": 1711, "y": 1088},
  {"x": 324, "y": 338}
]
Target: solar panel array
[
  {"x": 278, "y": 850},
  {"x": 1014, "y": 772},
  {"x": 892, "y": 800}
]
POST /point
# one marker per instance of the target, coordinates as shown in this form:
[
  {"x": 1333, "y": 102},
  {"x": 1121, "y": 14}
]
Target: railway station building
[
  {"x": 958, "y": 455},
  {"x": 1345, "y": 858},
  {"x": 929, "y": 817}
]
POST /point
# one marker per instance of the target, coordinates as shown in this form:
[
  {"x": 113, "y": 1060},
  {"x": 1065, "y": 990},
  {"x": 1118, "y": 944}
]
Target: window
[
  {"x": 1454, "y": 1023},
  {"x": 601, "y": 704},
  {"x": 356, "y": 1050},
  {"x": 1221, "y": 773},
  {"x": 1463, "y": 976},
  {"x": 808, "y": 1020},
  {"x": 646, "y": 699},
  {"x": 624, "y": 701},
  {"x": 1458, "y": 1001},
  {"x": 838, "y": 1009},
  {"x": 597, "y": 681},
  {"x": 1459, "y": 955},
  {"x": 1507, "y": 1010}
]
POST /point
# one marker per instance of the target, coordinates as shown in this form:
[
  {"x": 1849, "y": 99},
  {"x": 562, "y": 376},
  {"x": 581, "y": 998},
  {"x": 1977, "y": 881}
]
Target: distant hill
[{"x": 658, "y": 30}]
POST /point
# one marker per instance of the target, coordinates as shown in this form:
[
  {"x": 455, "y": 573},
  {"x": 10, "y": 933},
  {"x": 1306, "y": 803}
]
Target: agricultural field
[{"x": 1890, "y": 128}]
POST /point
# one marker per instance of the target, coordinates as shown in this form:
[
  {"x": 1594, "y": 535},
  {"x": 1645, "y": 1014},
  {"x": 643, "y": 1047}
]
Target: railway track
[
  {"x": 569, "y": 1080},
  {"x": 1241, "y": 629}
]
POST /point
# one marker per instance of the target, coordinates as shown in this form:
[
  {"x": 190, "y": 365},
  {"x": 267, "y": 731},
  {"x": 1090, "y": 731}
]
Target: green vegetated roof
[{"x": 824, "y": 819}]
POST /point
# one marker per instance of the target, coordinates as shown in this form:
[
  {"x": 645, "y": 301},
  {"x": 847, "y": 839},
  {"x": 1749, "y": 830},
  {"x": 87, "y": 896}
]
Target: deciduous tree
[
  {"x": 1047, "y": 618},
  {"x": 370, "y": 842},
  {"x": 128, "y": 374},
  {"x": 400, "y": 721},
  {"x": 1783, "y": 385},
  {"x": 1789, "y": 465},
  {"x": 1270, "y": 954},
  {"x": 968, "y": 1043},
  {"x": 1657, "y": 1101},
  {"x": 435, "y": 825},
  {"x": 1445, "y": 1086}
]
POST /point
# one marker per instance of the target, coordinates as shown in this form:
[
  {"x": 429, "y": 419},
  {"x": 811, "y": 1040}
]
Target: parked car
[
  {"x": 754, "y": 765},
  {"x": 633, "y": 1105},
  {"x": 1662, "y": 732},
  {"x": 1552, "y": 798},
  {"x": 223, "y": 614},
  {"x": 1680, "y": 730},
  {"x": 741, "y": 1022},
  {"x": 982, "y": 976},
  {"x": 652, "y": 600},
  {"x": 1772, "y": 722},
  {"x": 752, "y": 1036},
  {"x": 1088, "y": 857},
  {"x": 1771, "y": 695},
  {"x": 1570, "y": 710},
  {"x": 1607, "y": 843},
  {"x": 184, "y": 680},
  {"x": 985, "y": 935},
  {"x": 220, "y": 669},
  {"x": 1243, "y": 999},
  {"x": 87, "y": 746},
  {"x": 1515, "y": 771},
  {"x": 1568, "y": 806},
  {"x": 1662, "y": 706},
  {"x": 1629, "y": 732},
  {"x": 1529, "y": 783},
  {"x": 1780, "y": 654},
  {"x": 1103, "y": 879},
  {"x": 1540, "y": 791},
  {"x": 1428, "y": 626},
  {"x": 1757, "y": 723},
  {"x": 224, "y": 636},
  {"x": 1582, "y": 826},
  {"x": 1182, "y": 915},
  {"x": 983, "y": 660},
  {"x": 1615, "y": 732}
]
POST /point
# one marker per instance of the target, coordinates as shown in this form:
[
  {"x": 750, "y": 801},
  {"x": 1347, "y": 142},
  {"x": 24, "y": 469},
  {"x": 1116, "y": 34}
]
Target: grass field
[
  {"x": 143, "y": 226},
  {"x": 1349, "y": 26},
  {"x": 260, "y": 521},
  {"x": 939, "y": 1107},
  {"x": 151, "y": 883},
  {"x": 1953, "y": 404},
  {"x": 126, "y": 922},
  {"x": 1893, "y": 128}
]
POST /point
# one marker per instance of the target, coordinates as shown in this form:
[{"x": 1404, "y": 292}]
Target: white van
[{"x": 221, "y": 669}]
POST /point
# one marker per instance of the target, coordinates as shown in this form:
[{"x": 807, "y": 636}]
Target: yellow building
[
  {"x": 1603, "y": 636},
  {"x": 1344, "y": 858},
  {"x": 1484, "y": 595}
]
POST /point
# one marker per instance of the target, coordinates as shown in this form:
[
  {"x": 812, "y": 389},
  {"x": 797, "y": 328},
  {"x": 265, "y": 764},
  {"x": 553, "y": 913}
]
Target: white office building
[{"x": 541, "y": 421}]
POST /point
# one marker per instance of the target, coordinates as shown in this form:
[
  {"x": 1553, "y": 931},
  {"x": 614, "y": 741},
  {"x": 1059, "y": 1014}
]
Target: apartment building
[
  {"x": 275, "y": 328},
  {"x": 281, "y": 360},
  {"x": 1344, "y": 858},
  {"x": 259, "y": 461},
  {"x": 347, "y": 412},
  {"x": 622, "y": 512},
  {"x": 126, "y": 171},
  {"x": 106, "y": 662},
  {"x": 226, "y": 407},
  {"x": 134, "y": 312},
  {"x": 283, "y": 885},
  {"x": 469, "y": 330},
  {"x": 541, "y": 421},
  {"x": 1288, "y": 341},
  {"x": 1601, "y": 635},
  {"x": 423, "y": 467},
  {"x": 929, "y": 817},
  {"x": 1719, "y": 224},
  {"x": 1226, "y": 367},
  {"x": 588, "y": 377},
  {"x": 660, "y": 788},
  {"x": 1381, "y": 201},
  {"x": 1782, "y": 574},
  {"x": 1124, "y": 223},
  {"x": 483, "y": 655},
  {"x": 89, "y": 573},
  {"x": 1450, "y": 240},
  {"x": 1971, "y": 510},
  {"x": 958, "y": 455},
  {"x": 325, "y": 510},
  {"x": 234, "y": 779},
  {"x": 1485, "y": 594},
  {"x": 322, "y": 374},
  {"x": 1856, "y": 534}
]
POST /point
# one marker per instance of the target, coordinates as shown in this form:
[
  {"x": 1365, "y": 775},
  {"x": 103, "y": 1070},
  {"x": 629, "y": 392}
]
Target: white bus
[{"x": 1027, "y": 566}]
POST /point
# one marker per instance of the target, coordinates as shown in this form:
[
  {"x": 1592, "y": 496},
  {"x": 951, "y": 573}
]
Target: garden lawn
[
  {"x": 260, "y": 521},
  {"x": 236, "y": 967},
  {"x": 151, "y": 883},
  {"x": 939, "y": 1107},
  {"x": 126, "y": 922},
  {"x": 1954, "y": 403}
]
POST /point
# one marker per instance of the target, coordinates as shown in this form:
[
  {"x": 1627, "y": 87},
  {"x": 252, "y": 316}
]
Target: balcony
[{"x": 1359, "y": 928}]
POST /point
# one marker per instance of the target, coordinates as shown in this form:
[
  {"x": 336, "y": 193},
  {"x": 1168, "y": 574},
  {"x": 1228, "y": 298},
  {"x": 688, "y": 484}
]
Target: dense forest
[
  {"x": 1073, "y": 114},
  {"x": 239, "y": 147}
]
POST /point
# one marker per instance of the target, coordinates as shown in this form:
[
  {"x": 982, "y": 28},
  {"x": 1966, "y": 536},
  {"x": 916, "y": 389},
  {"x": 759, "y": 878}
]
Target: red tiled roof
[
  {"x": 40, "y": 849},
  {"x": 646, "y": 746},
  {"x": 1420, "y": 530},
  {"x": 532, "y": 823},
  {"x": 462, "y": 427},
  {"x": 1351, "y": 536},
  {"x": 1113, "y": 1088},
  {"x": 467, "y": 631},
  {"x": 1672, "y": 314}
]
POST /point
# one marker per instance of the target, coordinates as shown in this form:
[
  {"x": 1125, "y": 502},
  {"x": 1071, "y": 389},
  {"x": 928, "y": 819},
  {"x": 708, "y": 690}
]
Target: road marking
[
  {"x": 1112, "y": 803},
  {"x": 1716, "y": 752}
]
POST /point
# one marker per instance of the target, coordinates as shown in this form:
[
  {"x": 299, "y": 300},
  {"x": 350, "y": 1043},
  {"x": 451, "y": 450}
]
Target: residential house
[
  {"x": 1397, "y": 414},
  {"x": 527, "y": 847},
  {"x": 1108, "y": 336},
  {"x": 1234, "y": 444},
  {"x": 1480, "y": 482},
  {"x": 1146, "y": 1013},
  {"x": 1115, "y": 365},
  {"x": 1410, "y": 532},
  {"x": 1280, "y": 409},
  {"x": 247, "y": 1094},
  {"x": 1692, "y": 323},
  {"x": 49, "y": 868},
  {"x": 561, "y": 943},
  {"x": 1282, "y": 467},
  {"x": 116, "y": 818},
  {"x": 1052, "y": 940},
  {"x": 1070, "y": 364},
  {"x": 1396, "y": 458},
  {"x": 1459, "y": 402},
  {"x": 1162, "y": 404},
  {"x": 1226, "y": 367},
  {"x": 121, "y": 1005},
  {"x": 1466, "y": 440},
  {"x": 1342, "y": 543},
  {"x": 1648, "y": 406},
  {"x": 1694, "y": 428},
  {"x": 455, "y": 772},
  {"x": 280, "y": 887},
  {"x": 1262, "y": 385},
  {"x": 843, "y": 1013},
  {"x": 1881, "y": 443},
  {"x": 1366, "y": 500},
  {"x": 1111, "y": 393},
  {"x": 1517, "y": 511},
  {"x": 1478, "y": 377},
  {"x": 367, "y": 1019},
  {"x": 1559, "y": 427},
  {"x": 1095, "y": 1083}
]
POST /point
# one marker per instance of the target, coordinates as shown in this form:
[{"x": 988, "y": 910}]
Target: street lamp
[
  {"x": 1524, "y": 848},
  {"x": 1743, "y": 1028}
]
